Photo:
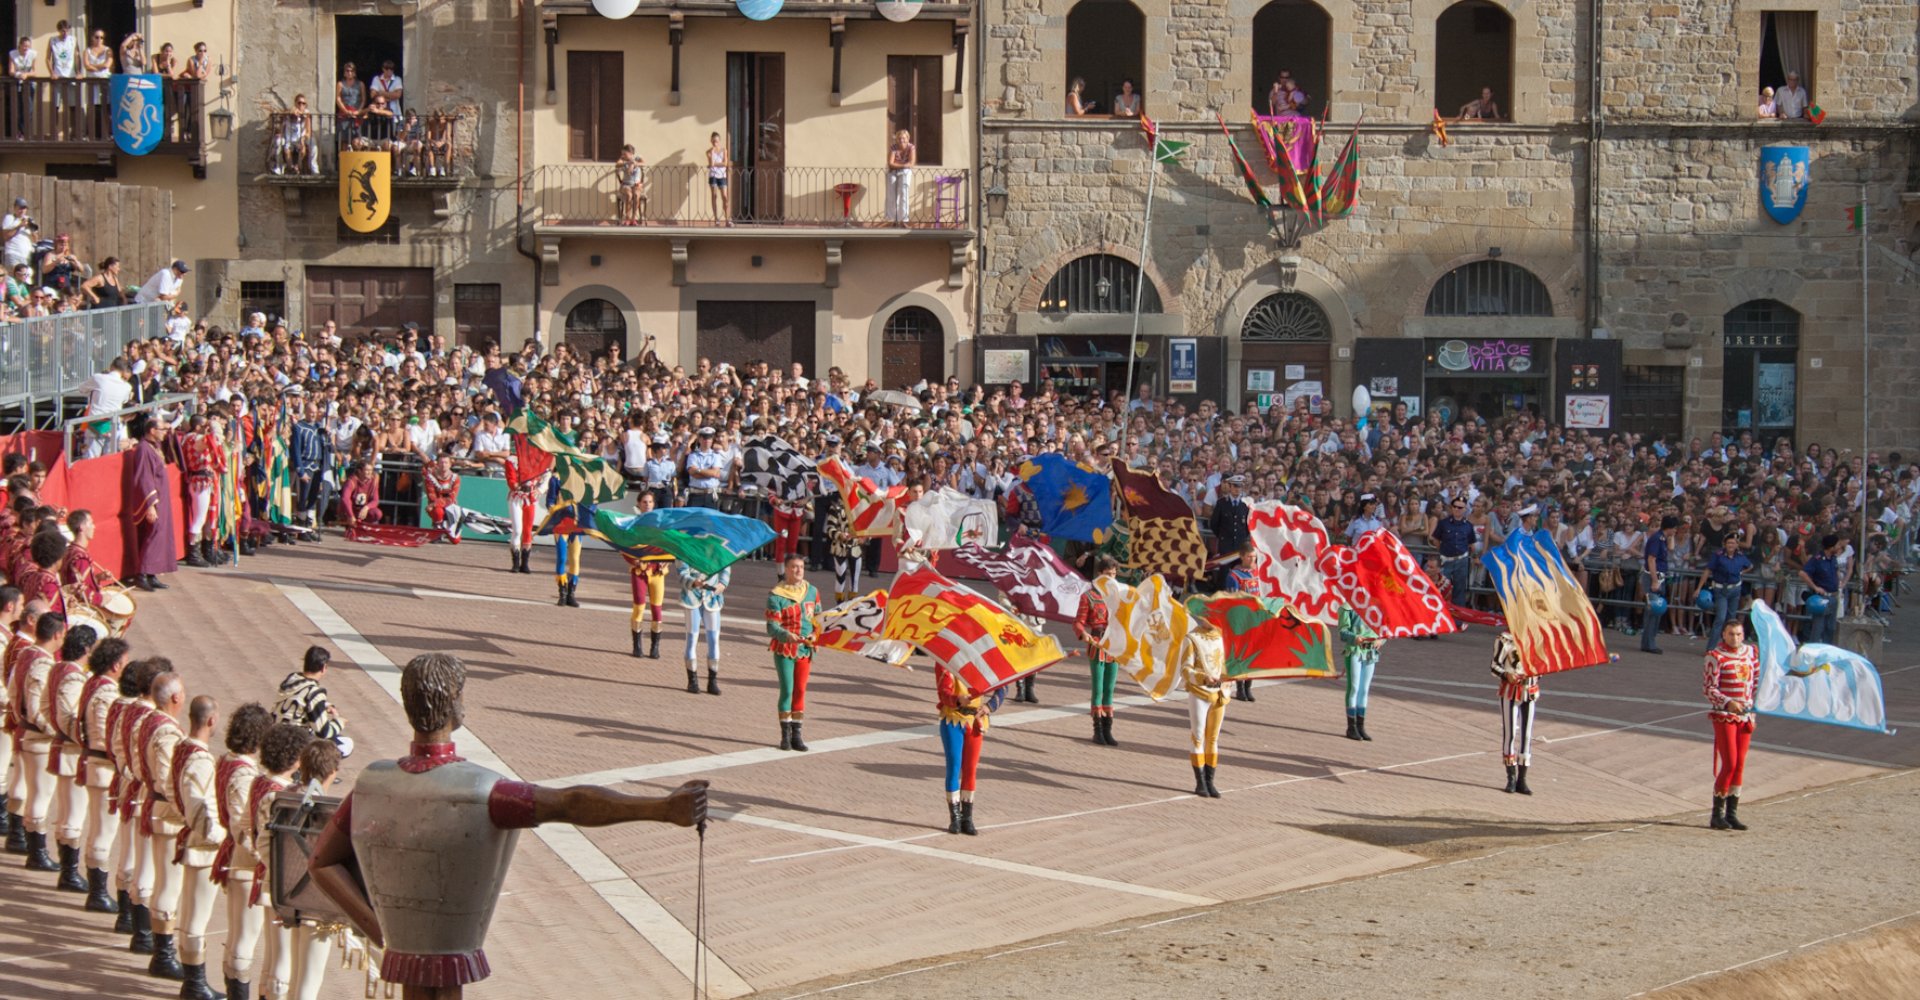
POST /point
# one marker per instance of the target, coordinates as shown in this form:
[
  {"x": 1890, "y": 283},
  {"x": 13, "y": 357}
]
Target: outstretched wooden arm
[{"x": 593, "y": 805}]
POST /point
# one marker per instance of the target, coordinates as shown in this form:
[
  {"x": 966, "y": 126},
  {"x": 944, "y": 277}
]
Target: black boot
[
  {"x": 798, "y": 743},
  {"x": 142, "y": 943},
  {"x": 194, "y": 558},
  {"x": 572, "y": 585},
  {"x": 1360, "y": 725},
  {"x": 1106, "y": 730},
  {"x": 953, "y": 817},
  {"x": 693, "y": 680},
  {"x": 1520, "y": 783},
  {"x": 165, "y": 963},
  {"x": 786, "y": 731},
  {"x": 237, "y": 990},
  {"x": 513, "y": 566},
  {"x": 1099, "y": 724},
  {"x": 195, "y": 987},
  {"x": 1353, "y": 727},
  {"x": 37, "y": 858},
  {"x": 1246, "y": 687},
  {"x": 560, "y": 592},
  {"x": 966, "y": 818},
  {"x": 713, "y": 684},
  {"x": 1733, "y": 813},
  {"x": 6, "y": 824},
  {"x": 636, "y": 645},
  {"x": 97, "y": 899},
  {"x": 16, "y": 834},
  {"x": 1200, "y": 782},
  {"x": 123, "y": 923},
  {"x": 526, "y": 561},
  {"x": 70, "y": 880},
  {"x": 653, "y": 646},
  {"x": 1510, "y": 775},
  {"x": 213, "y": 556},
  {"x": 1718, "y": 820},
  {"x": 1206, "y": 775},
  {"x": 154, "y": 582}
]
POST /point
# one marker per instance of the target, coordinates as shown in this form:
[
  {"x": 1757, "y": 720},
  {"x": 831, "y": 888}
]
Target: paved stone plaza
[{"x": 829, "y": 864}]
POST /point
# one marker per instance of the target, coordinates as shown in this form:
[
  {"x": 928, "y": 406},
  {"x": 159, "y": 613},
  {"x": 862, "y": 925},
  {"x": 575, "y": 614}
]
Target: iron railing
[
  {"x": 78, "y": 115},
  {"x": 584, "y": 194},
  {"x": 309, "y": 145},
  {"x": 46, "y": 358}
]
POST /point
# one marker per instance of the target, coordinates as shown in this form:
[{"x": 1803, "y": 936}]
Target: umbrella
[{"x": 894, "y": 397}]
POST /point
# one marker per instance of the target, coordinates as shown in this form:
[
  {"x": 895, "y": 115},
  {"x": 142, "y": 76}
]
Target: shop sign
[
  {"x": 1183, "y": 365},
  {"x": 1512, "y": 357}
]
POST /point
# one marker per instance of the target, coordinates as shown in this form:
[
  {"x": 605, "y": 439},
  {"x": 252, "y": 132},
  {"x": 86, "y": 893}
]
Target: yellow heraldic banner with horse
[{"x": 366, "y": 189}]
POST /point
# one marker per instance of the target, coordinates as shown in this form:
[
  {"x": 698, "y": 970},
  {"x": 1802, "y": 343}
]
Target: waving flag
[
  {"x": 703, "y": 538},
  {"x": 1287, "y": 542},
  {"x": 1815, "y": 682},
  {"x": 1264, "y": 638},
  {"x": 1293, "y": 151},
  {"x": 1247, "y": 176},
  {"x": 1145, "y": 626},
  {"x": 1384, "y": 585},
  {"x": 582, "y": 478},
  {"x": 1033, "y": 576},
  {"x": 949, "y": 519},
  {"x": 776, "y": 468},
  {"x": 972, "y": 637},
  {"x": 854, "y": 627},
  {"x": 1343, "y": 180},
  {"x": 872, "y": 511},
  {"x": 1547, "y": 613},
  {"x": 1166, "y": 535},
  {"x": 1075, "y": 502}
]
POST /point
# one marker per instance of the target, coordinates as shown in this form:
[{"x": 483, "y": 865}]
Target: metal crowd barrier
[
  {"x": 45, "y": 359},
  {"x": 175, "y": 405}
]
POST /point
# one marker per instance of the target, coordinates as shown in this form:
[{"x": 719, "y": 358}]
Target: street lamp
[
  {"x": 220, "y": 121},
  {"x": 996, "y": 193}
]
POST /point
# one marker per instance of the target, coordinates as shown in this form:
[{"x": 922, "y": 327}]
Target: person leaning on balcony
[
  {"x": 630, "y": 176},
  {"x": 163, "y": 61},
  {"x": 439, "y": 147},
  {"x": 63, "y": 63},
  {"x": 1076, "y": 105},
  {"x": 1126, "y": 104},
  {"x": 717, "y": 164},
  {"x": 380, "y": 122},
  {"x": 350, "y": 103},
  {"x": 387, "y": 84},
  {"x": 293, "y": 145},
  {"x": 1767, "y": 108},
  {"x": 900, "y": 159},
  {"x": 1482, "y": 108},
  {"x": 409, "y": 138},
  {"x": 1790, "y": 101}
]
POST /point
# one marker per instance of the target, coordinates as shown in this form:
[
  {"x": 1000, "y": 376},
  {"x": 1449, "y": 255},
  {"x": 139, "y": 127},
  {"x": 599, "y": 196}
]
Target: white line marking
[
  {"x": 928, "y": 968},
  {"x": 997, "y": 864},
  {"x": 1774, "y": 955},
  {"x": 1557, "y": 694},
  {"x": 640, "y": 911}
]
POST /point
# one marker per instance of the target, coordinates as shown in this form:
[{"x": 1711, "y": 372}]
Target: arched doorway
[
  {"x": 1760, "y": 351},
  {"x": 1286, "y": 344},
  {"x": 1481, "y": 370},
  {"x": 1094, "y": 296},
  {"x": 1294, "y": 37},
  {"x": 912, "y": 348},
  {"x": 592, "y": 325},
  {"x": 1473, "y": 49},
  {"x": 1106, "y": 43}
]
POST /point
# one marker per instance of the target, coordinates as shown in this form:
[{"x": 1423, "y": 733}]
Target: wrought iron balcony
[
  {"x": 681, "y": 196},
  {"x": 305, "y": 148},
  {"x": 76, "y": 116}
]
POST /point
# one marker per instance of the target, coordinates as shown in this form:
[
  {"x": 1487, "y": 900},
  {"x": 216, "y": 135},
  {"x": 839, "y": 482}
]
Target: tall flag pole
[
  {"x": 1160, "y": 151},
  {"x": 1866, "y": 389}
]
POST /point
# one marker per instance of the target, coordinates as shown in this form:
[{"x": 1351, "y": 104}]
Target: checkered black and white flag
[{"x": 774, "y": 467}]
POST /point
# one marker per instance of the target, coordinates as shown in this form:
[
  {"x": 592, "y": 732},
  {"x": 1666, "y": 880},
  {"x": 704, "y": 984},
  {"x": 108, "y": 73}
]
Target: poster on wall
[
  {"x": 1309, "y": 390},
  {"x": 1259, "y": 380},
  {"x": 1296, "y": 372},
  {"x": 1183, "y": 365},
  {"x": 1413, "y": 405},
  {"x": 1773, "y": 395},
  {"x": 1388, "y": 386},
  {"x": 1005, "y": 366},
  {"x": 1590, "y": 412}
]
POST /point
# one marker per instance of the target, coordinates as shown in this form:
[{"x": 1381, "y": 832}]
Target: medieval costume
[
  {"x": 702, "y": 597},
  {"x": 1729, "y": 686},
  {"x": 1518, "y": 693},
  {"x": 791, "y": 612},
  {"x": 648, "y": 567},
  {"x": 149, "y": 502},
  {"x": 1203, "y": 671},
  {"x": 1359, "y": 654},
  {"x": 963, "y": 728},
  {"x": 1089, "y": 626}
]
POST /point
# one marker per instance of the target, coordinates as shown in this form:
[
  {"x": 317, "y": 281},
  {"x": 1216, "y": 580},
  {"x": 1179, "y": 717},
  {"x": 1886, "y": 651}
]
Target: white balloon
[
  {"x": 1362, "y": 400},
  {"x": 616, "y": 9}
]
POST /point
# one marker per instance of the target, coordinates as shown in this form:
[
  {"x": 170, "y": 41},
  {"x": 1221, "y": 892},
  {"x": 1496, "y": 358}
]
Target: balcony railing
[
  {"x": 309, "y": 146},
  {"x": 680, "y": 195},
  {"x": 77, "y": 116}
]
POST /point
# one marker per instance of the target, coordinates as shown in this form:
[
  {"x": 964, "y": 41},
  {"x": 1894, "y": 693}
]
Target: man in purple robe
[{"x": 150, "y": 504}]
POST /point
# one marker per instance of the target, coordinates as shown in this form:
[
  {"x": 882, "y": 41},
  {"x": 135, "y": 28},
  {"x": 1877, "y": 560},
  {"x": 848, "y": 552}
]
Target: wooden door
[
  {"x": 913, "y": 103},
  {"x": 364, "y": 299},
  {"x": 476, "y": 314},
  {"x": 1311, "y": 362},
  {"x": 595, "y": 103},
  {"x": 911, "y": 348},
  {"x": 778, "y": 333}
]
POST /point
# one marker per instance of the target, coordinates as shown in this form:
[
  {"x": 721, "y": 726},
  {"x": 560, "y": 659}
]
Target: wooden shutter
[
  {"x": 913, "y": 103},
  {"x": 595, "y": 106}
]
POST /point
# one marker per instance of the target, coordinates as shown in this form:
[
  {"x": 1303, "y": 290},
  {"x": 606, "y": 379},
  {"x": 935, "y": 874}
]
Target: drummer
[
  {"x": 42, "y": 582},
  {"x": 78, "y": 570}
]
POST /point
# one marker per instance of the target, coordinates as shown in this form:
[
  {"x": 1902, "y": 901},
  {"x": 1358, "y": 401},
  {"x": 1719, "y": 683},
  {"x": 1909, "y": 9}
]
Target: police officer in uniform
[
  {"x": 659, "y": 471},
  {"x": 1453, "y": 536},
  {"x": 706, "y": 472},
  {"x": 1228, "y": 522}
]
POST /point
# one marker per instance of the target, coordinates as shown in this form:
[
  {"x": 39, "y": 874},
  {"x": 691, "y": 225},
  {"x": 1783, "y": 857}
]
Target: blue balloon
[
  {"x": 1657, "y": 605},
  {"x": 1705, "y": 600},
  {"x": 1817, "y": 604}
]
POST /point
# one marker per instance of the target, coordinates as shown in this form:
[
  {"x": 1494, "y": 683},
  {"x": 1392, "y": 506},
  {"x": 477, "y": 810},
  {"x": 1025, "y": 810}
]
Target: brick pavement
[{"x": 1076, "y": 836}]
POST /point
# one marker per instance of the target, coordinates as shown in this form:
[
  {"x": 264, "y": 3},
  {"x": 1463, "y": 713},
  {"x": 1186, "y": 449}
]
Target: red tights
[{"x": 1730, "y": 740}]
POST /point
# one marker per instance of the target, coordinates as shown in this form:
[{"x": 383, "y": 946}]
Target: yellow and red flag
[
  {"x": 872, "y": 511},
  {"x": 854, "y": 627},
  {"x": 972, "y": 637},
  {"x": 1548, "y": 614},
  {"x": 1145, "y": 627}
]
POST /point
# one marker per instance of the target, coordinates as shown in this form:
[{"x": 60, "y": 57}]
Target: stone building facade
[{"x": 1605, "y": 261}]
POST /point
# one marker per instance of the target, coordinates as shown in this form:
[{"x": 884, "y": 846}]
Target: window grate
[
  {"x": 1489, "y": 288},
  {"x": 1098, "y": 283},
  {"x": 1287, "y": 316},
  {"x": 911, "y": 325},
  {"x": 268, "y": 297}
]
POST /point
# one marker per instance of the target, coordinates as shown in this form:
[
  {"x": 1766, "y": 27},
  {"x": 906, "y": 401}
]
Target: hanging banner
[
  {"x": 366, "y": 189},
  {"x": 137, "y": 102},
  {"x": 1783, "y": 181}
]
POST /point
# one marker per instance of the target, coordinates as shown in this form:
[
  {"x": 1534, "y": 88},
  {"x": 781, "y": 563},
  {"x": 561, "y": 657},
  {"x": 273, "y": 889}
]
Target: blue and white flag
[
  {"x": 1815, "y": 682},
  {"x": 1784, "y": 173},
  {"x": 139, "y": 111}
]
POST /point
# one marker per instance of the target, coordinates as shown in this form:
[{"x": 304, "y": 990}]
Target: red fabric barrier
[{"x": 97, "y": 485}]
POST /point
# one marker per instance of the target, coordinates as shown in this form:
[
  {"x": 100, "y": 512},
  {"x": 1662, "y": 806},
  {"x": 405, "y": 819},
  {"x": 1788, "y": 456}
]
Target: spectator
[
  {"x": 379, "y": 125},
  {"x": 900, "y": 159},
  {"x": 103, "y": 290},
  {"x": 63, "y": 63},
  {"x": 350, "y": 107},
  {"x": 1285, "y": 96},
  {"x": 1126, "y": 104},
  {"x": 409, "y": 140},
  {"x": 60, "y": 269},
  {"x": 165, "y": 284},
  {"x": 96, "y": 65},
  {"x": 303, "y": 701},
  {"x": 20, "y": 64},
  {"x": 179, "y": 323},
  {"x": 1790, "y": 101},
  {"x": 1725, "y": 569},
  {"x": 133, "y": 53},
  {"x": 163, "y": 61},
  {"x": 629, "y": 175},
  {"x": 1075, "y": 105},
  {"x": 293, "y": 150},
  {"x": 16, "y": 230},
  {"x": 1482, "y": 108},
  {"x": 717, "y": 164},
  {"x": 1821, "y": 574},
  {"x": 1767, "y": 108},
  {"x": 439, "y": 149},
  {"x": 387, "y": 84},
  {"x": 19, "y": 288}
]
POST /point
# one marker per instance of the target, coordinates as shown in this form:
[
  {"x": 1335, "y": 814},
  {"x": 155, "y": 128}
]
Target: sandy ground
[{"x": 1814, "y": 901}]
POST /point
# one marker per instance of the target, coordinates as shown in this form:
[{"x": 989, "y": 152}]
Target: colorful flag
[
  {"x": 972, "y": 637},
  {"x": 1151, "y": 128},
  {"x": 1247, "y": 176},
  {"x": 703, "y": 538},
  {"x": 1264, "y": 638},
  {"x": 854, "y": 627},
  {"x": 1166, "y": 535},
  {"x": 1343, "y": 180},
  {"x": 1287, "y": 542},
  {"x": 1169, "y": 150},
  {"x": 1439, "y": 129},
  {"x": 1816, "y": 114},
  {"x": 1035, "y": 580},
  {"x": 582, "y": 478},
  {"x": 1075, "y": 502},
  {"x": 776, "y": 468},
  {"x": 1856, "y": 218},
  {"x": 1549, "y": 616},
  {"x": 1145, "y": 627},
  {"x": 1287, "y": 144},
  {"x": 872, "y": 511},
  {"x": 1815, "y": 682},
  {"x": 1384, "y": 585},
  {"x": 949, "y": 519}
]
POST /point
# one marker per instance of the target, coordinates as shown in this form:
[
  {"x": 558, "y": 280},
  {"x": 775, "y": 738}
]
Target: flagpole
[
  {"x": 1866, "y": 409},
  {"x": 1140, "y": 275}
]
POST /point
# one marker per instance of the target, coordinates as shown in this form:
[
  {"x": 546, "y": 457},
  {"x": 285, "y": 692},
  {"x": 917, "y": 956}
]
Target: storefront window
[
  {"x": 1487, "y": 378},
  {"x": 1761, "y": 345}
]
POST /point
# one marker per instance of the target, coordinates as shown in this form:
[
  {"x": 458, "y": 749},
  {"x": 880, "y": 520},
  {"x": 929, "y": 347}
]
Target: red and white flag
[
  {"x": 1383, "y": 584},
  {"x": 1287, "y": 543},
  {"x": 1033, "y": 576},
  {"x": 854, "y": 626},
  {"x": 974, "y": 638},
  {"x": 872, "y": 511}
]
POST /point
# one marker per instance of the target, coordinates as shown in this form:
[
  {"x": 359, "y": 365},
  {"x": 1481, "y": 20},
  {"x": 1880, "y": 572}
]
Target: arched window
[
  {"x": 1293, "y": 38},
  {"x": 1098, "y": 283},
  {"x": 1287, "y": 316},
  {"x": 593, "y": 324},
  {"x": 912, "y": 348},
  {"x": 1473, "y": 51},
  {"x": 1106, "y": 43},
  {"x": 1761, "y": 356},
  {"x": 1489, "y": 288}
]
